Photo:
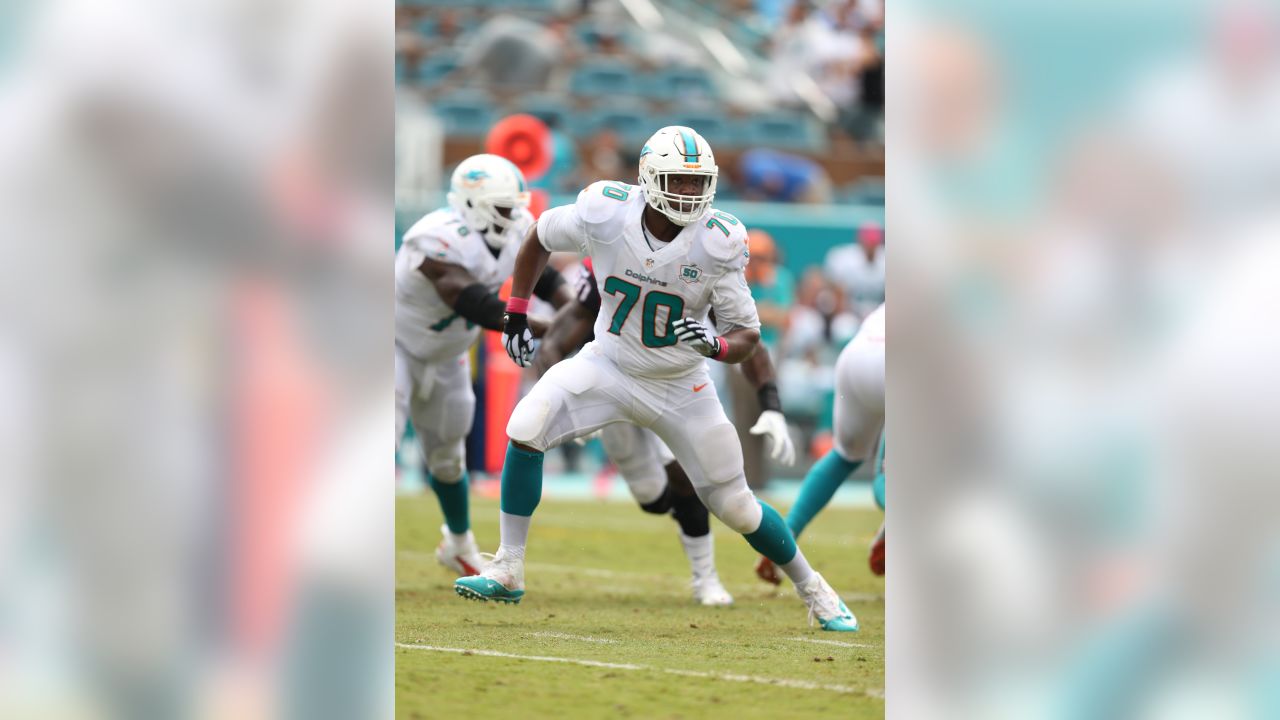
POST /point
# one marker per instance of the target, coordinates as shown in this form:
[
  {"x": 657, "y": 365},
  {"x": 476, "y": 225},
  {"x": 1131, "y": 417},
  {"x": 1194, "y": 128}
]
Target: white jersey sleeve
[
  {"x": 730, "y": 295},
  {"x": 593, "y": 218},
  {"x": 439, "y": 241}
]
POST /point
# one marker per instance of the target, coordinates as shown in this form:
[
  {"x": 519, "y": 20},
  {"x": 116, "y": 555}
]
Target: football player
[
  {"x": 859, "y": 429},
  {"x": 655, "y": 479},
  {"x": 663, "y": 258},
  {"x": 448, "y": 271}
]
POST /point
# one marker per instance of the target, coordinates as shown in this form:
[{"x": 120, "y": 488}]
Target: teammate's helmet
[
  {"x": 677, "y": 150},
  {"x": 480, "y": 187}
]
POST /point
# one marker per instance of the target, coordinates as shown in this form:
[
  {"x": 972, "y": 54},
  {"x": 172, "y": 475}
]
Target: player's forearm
[
  {"x": 759, "y": 371},
  {"x": 741, "y": 343},
  {"x": 530, "y": 261},
  {"x": 758, "y": 368}
]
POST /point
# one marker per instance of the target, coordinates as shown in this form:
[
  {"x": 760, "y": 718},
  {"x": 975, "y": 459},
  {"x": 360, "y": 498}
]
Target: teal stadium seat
[
  {"x": 465, "y": 113},
  {"x": 607, "y": 79},
  {"x": 678, "y": 84},
  {"x": 631, "y": 120},
  {"x": 552, "y": 109},
  {"x": 433, "y": 69},
  {"x": 784, "y": 131}
]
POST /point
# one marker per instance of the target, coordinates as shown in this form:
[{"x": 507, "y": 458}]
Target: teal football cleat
[
  {"x": 825, "y": 605},
  {"x": 502, "y": 580}
]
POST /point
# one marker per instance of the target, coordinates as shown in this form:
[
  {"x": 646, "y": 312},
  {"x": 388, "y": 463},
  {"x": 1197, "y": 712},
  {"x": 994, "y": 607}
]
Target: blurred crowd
[{"x": 791, "y": 94}]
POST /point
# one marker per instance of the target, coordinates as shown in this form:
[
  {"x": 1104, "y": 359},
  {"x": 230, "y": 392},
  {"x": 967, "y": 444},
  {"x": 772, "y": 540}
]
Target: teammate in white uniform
[
  {"x": 859, "y": 430},
  {"x": 448, "y": 270},
  {"x": 655, "y": 479},
  {"x": 664, "y": 258}
]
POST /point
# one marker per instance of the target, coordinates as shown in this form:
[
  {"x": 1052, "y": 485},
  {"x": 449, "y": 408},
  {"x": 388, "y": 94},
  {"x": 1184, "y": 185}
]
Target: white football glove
[
  {"x": 773, "y": 425},
  {"x": 695, "y": 333}
]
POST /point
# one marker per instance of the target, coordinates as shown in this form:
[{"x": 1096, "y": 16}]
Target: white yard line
[
  {"x": 837, "y": 643},
  {"x": 543, "y": 658},
  {"x": 780, "y": 682},
  {"x": 566, "y": 636}
]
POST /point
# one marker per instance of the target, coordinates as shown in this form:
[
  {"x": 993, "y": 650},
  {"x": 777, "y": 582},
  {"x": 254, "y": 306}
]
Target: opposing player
[
  {"x": 859, "y": 427},
  {"x": 664, "y": 258},
  {"x": 448, "y": 270},
  {"x": 655, "y": 479}
]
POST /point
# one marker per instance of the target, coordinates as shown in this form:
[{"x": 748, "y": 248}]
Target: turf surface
[{"x": 607, "y": 589}]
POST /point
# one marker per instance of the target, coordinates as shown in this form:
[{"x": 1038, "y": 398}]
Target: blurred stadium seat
[
  {"x": 630, "y": 119},
  {"x": 783, "y": 130},
  {"x": 552, "y": 108},
  {"x": 606, "y": 78},
  {"x": 465, "y": 113},
  {"x": 682, "y": 83},
  {"x": 433, "y": 69}
]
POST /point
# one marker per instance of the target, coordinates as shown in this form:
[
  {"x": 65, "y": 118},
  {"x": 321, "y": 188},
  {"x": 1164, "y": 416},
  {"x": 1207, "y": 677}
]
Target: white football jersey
[
  {"x": 643, "y": 289},
  {"x": 426, "y": 327}
]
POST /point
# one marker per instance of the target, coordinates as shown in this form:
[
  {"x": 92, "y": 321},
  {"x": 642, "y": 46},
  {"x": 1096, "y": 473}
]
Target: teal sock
[
  {"x": 877, "y": 489},
  {"x": 824, "y": 478},
  {"x": 454, "y": 503},
  {"x": 521, "y": 481},
  {"x": 773, "y": 539}
]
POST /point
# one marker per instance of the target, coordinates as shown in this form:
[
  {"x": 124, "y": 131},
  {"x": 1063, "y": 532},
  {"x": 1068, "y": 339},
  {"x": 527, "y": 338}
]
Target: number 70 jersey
[{"x": 645, "y": 288}]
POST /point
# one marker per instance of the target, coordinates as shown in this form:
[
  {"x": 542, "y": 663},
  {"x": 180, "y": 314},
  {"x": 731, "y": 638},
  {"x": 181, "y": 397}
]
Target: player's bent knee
[
  {"x": 528, "y": 423},
  {"x": 735, "y": 505},
  {"x": 446, "y": 463},
  {"x": 719, "y": 453}
]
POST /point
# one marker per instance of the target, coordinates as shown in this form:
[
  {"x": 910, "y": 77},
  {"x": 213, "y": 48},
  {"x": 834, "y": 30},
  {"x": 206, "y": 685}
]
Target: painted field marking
[
  {"x": 779, "y": 682},
  {"x": 837, "y": 643},
  {"x": 566, "y": 636}
]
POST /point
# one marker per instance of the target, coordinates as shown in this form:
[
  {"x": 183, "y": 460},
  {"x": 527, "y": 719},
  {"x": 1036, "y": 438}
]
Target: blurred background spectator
[{"x": 859, "y": 270}]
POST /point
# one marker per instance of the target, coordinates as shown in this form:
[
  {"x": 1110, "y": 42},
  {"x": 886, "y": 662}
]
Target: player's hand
[
  {"x": 773, "y": 425},
  {"x": 518, "y": 339},
  {"x": 695, "y": 333}
]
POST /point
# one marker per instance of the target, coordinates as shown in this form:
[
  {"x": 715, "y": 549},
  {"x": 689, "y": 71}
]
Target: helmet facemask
[{"x": 679, "y": 208}]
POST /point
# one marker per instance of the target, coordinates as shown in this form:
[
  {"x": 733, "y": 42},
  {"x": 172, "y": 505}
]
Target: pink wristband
[
  {"x": 724, "y": 349},
  {"x": 518, "y": 305}
]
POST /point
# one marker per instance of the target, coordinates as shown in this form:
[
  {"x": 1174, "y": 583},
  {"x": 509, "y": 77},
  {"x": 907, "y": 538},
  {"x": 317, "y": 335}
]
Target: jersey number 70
[{"x": 653, "y": 299}]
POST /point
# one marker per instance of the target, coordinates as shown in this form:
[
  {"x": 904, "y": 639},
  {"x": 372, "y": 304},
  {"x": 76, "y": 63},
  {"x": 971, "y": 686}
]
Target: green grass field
[{"x": 608, "y": 629}]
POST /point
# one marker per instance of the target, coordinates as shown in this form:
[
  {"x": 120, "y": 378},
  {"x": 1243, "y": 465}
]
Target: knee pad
[
  {"x": 735, "y": 505},
  {"x": 445, "y": 463},
  {"x": 528, "y": 423}
]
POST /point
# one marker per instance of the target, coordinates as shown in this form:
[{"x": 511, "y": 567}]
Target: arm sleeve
[{"x": 561, "y": 229}]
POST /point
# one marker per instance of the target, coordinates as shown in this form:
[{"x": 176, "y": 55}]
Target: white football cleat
[
  {"x": 461, "y": 556},
  {"x": 709, "y": 591},
  {"x": 825, "y": 605}
]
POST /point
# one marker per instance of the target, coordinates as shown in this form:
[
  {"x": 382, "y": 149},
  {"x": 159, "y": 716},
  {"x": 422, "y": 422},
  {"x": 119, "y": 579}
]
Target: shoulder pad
[
  {"x": 440, "y": 236},
  {"x": 725, "y": 239},
  {"x": 603, "y": 200}
]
